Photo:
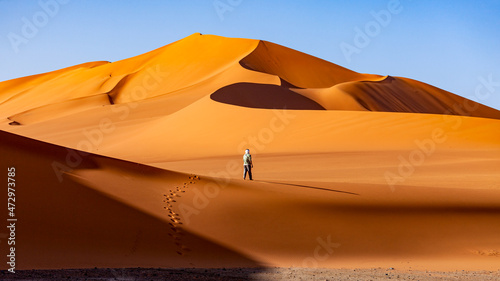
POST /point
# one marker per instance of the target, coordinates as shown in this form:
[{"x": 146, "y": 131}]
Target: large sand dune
[
  {"x": 138, "y": 163},
  {"x": 123, "y": 221}
]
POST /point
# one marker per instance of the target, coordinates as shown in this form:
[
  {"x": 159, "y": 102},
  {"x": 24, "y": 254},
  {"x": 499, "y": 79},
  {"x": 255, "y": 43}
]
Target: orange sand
[{"x": 351, "y": 170}]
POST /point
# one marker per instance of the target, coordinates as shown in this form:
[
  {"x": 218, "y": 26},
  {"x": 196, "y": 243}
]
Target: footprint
[{"x": 174, "y": 218}]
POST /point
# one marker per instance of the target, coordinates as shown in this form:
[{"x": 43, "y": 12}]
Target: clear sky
[{"x": 454, "y": 45}]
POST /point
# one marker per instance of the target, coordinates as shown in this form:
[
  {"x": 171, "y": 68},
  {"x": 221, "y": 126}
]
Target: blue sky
[{"x": 453, "y": 45}]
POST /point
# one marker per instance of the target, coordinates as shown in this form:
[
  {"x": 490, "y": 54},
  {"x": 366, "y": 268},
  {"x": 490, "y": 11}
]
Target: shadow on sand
[{"x": 308, "y": 186}]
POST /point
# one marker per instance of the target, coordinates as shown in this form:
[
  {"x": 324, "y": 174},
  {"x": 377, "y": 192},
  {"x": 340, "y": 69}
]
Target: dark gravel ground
[{"x": 244, "y": 274}]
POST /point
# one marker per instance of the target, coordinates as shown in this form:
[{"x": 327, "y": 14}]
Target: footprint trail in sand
[{"x": 175, "y": 222}]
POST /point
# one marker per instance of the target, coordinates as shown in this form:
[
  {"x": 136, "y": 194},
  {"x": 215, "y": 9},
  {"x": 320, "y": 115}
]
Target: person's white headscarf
[{"x": 247, "y": 151}]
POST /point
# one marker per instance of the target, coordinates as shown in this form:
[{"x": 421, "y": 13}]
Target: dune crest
[{"x": 299, "y": 69}]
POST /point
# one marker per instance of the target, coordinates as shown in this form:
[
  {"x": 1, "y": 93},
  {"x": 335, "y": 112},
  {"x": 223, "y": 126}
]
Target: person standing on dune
[{"x": 247, "y": 164}]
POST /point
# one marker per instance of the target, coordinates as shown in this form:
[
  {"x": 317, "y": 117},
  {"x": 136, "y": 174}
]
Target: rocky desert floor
[{"x": 246, "y": 274}]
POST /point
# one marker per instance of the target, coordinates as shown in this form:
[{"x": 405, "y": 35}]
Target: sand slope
[
  {"x": 65, "y": 221},
  {"x": 110, "y": 213},
  {"x": 394, "y": 94},
  {"x": 352, "y": 170}
]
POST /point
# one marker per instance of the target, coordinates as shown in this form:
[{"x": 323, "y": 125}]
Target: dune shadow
[
  {"x": 310, "y": 187},
  {"x": 263, "y": 96}
]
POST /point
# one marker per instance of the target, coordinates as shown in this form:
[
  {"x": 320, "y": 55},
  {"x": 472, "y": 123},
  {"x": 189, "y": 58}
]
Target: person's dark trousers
[{"x": 247, "y": 169}]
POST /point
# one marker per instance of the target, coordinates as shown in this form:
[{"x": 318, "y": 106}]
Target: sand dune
[
  {"x": 60, "y": 109},
  {"x": 183, "y": 65},
  {"x": 73, "y": 223},
  {"x": 393, "y": 94},
  {"x": 298, "y": 69},
  {"x": 110, "y": 213},
  {"x": 352, "y": 170}
]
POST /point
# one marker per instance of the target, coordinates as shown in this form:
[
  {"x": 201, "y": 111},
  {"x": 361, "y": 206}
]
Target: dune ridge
[
  {"x": 395, "y": 94},
  {"x": 299, "y": 69}
]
